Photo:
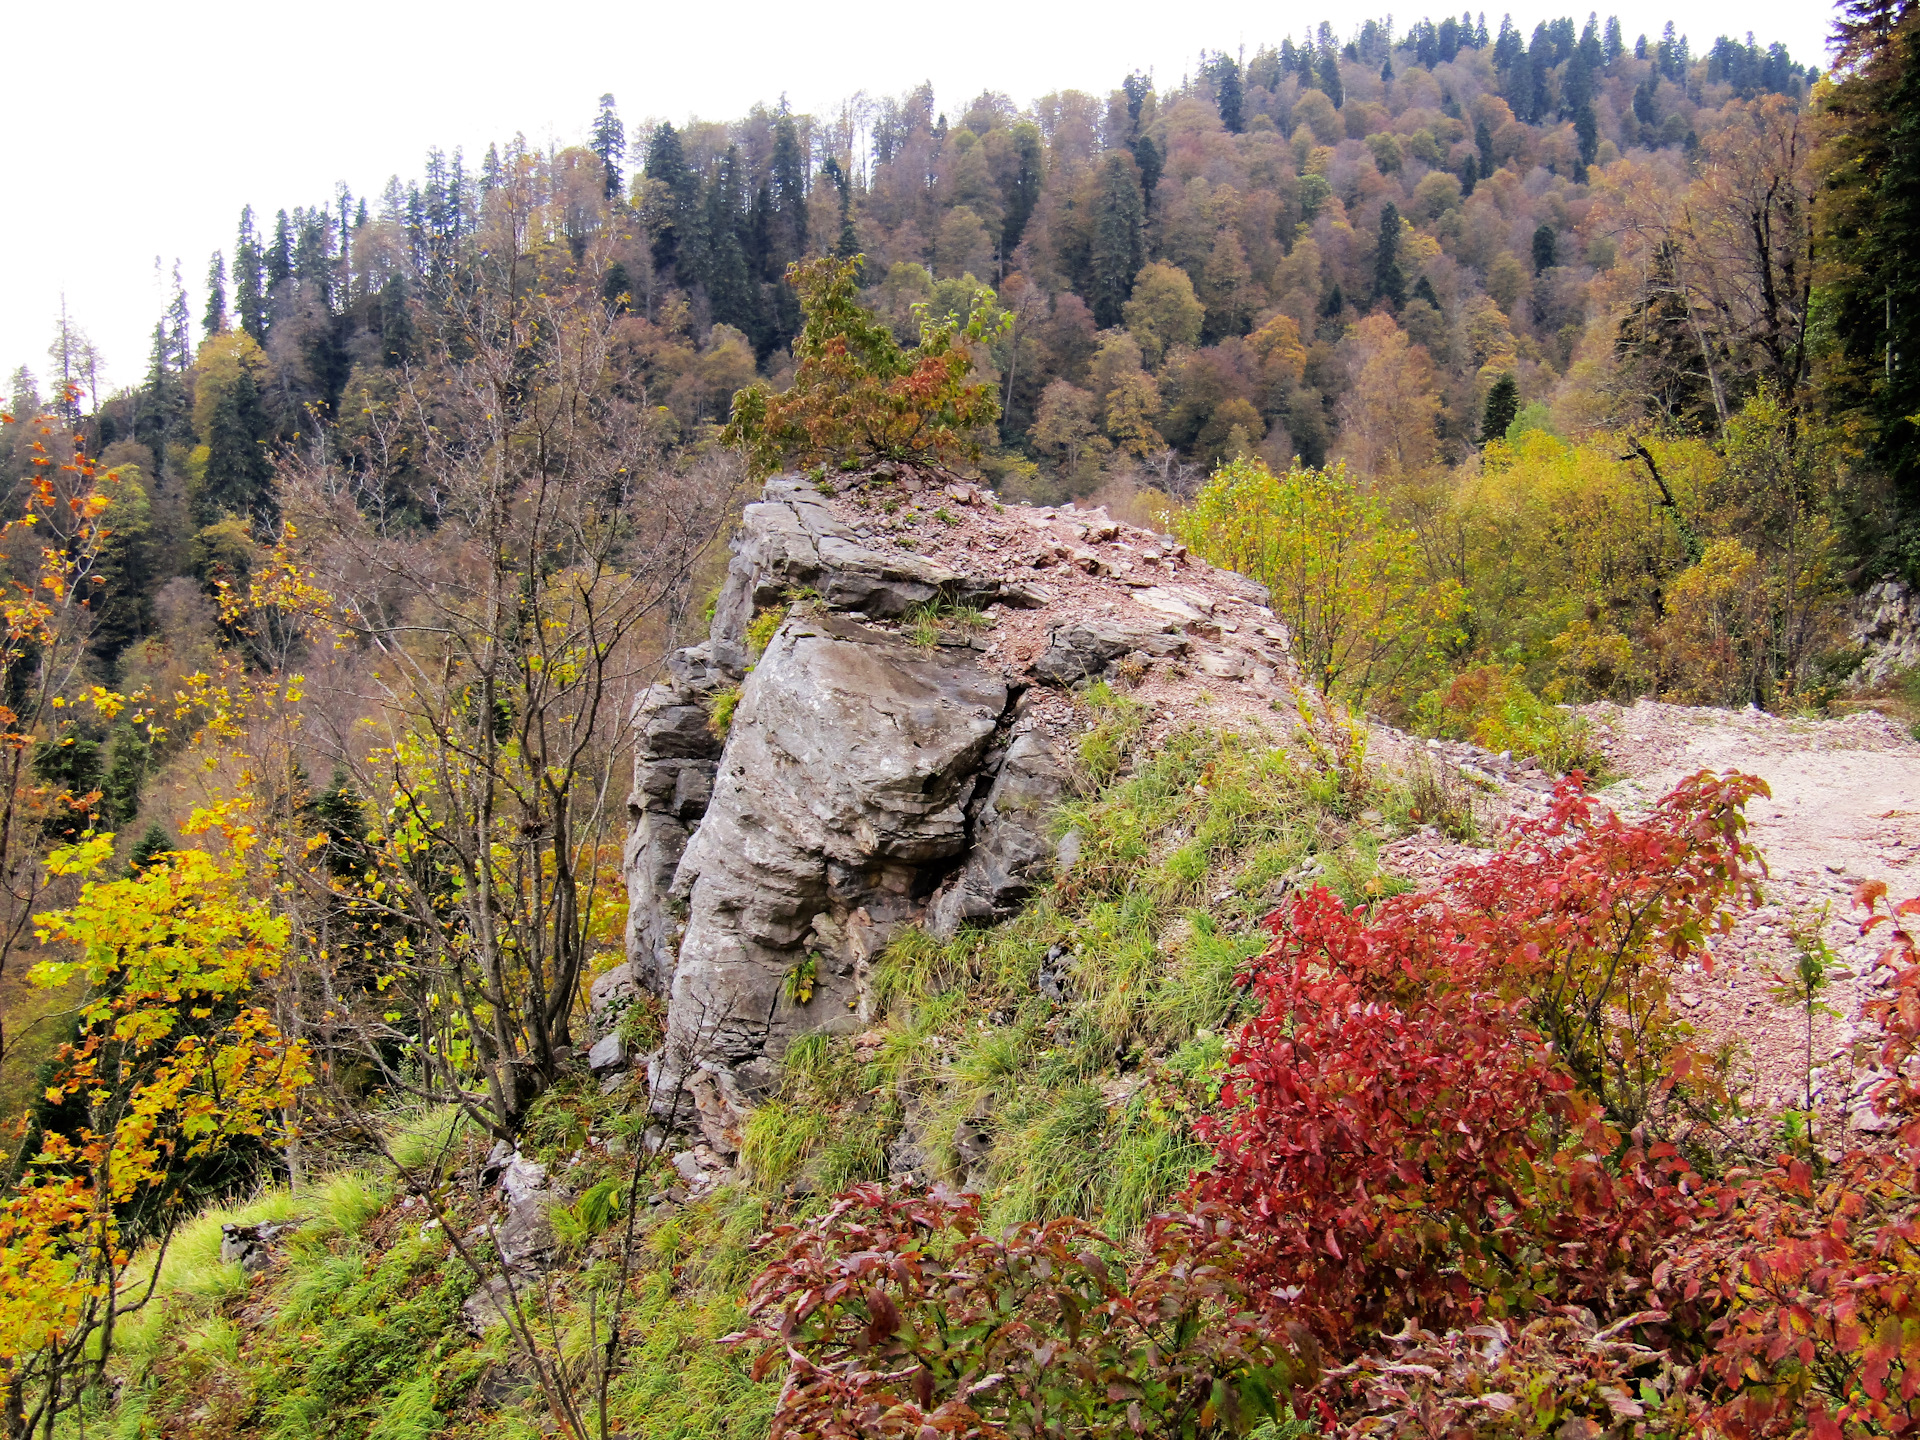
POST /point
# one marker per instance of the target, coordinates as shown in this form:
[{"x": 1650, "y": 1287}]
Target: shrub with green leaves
[{"x": 1494, "y": 709}]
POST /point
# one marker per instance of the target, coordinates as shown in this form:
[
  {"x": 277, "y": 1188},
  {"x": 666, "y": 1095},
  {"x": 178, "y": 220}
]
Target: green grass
[
  {"x": 761, "y": 631},
  {"x": 1088, "y": 1103},
  {"x": 720, "y": 710}
]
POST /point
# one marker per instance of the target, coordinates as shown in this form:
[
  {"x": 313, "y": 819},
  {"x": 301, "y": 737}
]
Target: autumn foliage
[
  {"x": 1471, "y": 1175},
  {"x": 899, "y": 1315},
  {"x": 857, "y": 394}
]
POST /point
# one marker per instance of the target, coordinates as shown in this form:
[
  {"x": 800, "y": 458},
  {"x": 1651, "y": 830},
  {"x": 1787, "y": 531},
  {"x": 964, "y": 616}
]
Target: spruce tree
[
  {"x": 1228, "y": 93},
  {"x": 788, "y": 176},
  {"x": 1116, "y": 253},
  {"x": 126, "y": 773},
  {"x": 1022, "y": 188},
  {"x": 396, "y": 322},
  {"x": 1327, "y": 70},
  {"x": 249, "y": 304},
  {"x": 1147, "y": 156},
  {"x": 679, "y": 226},
  {"x": 1544, "y": 247},
  {"x": 848, "y": 243},
  {"x": 1503, "y": 404},
  {"x": 616, "y": 289},
  {"x": 1389, "y": 281},
  {"x": 1871, "y": 232},
  {"x": 280, "y": 252},
  {"x": 731, "y": 293},
  {"x": 214, "y": 322},
  {"x": 149, "y": 847},
  {"x": 238, "y": 476},
  {"x": 609, "y": 142}
]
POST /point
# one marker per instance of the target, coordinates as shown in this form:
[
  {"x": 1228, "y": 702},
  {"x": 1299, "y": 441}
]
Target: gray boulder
[
  {"x": 846, "y": 780},
  {"x": 1082, "y": 650},
  {"x": 608, "y": 1055},
  {"x": 1011, "y": 854}
]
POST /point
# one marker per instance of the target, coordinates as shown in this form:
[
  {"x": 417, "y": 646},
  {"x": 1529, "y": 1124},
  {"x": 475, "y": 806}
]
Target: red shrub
[
  {"x": 1404, "y": 1142},
  {"x": 1815, "y": 1278},
  {"x": 897, "y": 1316}
]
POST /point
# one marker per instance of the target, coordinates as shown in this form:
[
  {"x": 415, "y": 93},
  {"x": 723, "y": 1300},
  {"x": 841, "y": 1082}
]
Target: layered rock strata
[{"x": 894, "y": 756}]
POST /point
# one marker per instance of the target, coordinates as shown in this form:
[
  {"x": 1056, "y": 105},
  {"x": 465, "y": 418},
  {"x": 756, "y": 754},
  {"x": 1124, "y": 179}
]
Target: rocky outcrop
[
  {"x": 843, "y": 792},
  {"x": 677, "y": 751},
  {"x": 1887, "y": 626},
  {"x": 879, "y": 770},
  {"x": 247, "y": 1245},
  {"x": 522, "y": 1237}
]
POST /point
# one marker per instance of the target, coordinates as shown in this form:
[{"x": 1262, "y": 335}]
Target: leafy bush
[
  {"x": 857, "y": 394},
  {"x": 899, "y": 1316},
  {"x": 1495, "y": 710},
  {"x": 1344, "y": 577}
]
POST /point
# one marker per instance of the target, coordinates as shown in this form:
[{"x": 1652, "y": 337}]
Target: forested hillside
[
  {"x": 567, "y": 723},
  {"x": 1231, "y": 250}
]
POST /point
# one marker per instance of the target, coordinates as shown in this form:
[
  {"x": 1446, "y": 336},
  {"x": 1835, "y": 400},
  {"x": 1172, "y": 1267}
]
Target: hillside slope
[{"x": 949, "y": 842}]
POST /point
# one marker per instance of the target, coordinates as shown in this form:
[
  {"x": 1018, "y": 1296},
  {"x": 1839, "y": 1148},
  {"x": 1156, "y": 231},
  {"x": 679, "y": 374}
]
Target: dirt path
[{"x": 1845, "y": 808}]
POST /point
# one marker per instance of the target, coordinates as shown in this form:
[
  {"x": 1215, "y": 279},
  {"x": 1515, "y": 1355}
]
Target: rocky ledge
[{"x": 895, "y": 753}]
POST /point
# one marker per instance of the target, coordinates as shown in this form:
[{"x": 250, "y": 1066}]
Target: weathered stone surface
[
  {"x": 608, "y": 998},
  {"x": 1082, "y": 650},
  {"x": 523, "y": 1237},
  {"x": 1011, "y": 853},
  {"x": 246, "y": 1245},
  {"x": 672, "y": 784},
  {"x": 608, "y": 1054},
  {"x": 790, "y": 541},
  {"x": 1888, "y": 626},
  {"x": 847, "y": 775}
]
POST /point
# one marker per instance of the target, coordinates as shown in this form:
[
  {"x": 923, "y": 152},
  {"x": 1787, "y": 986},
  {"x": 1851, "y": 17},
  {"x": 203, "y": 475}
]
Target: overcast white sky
[{"x": 139, "y": 129}]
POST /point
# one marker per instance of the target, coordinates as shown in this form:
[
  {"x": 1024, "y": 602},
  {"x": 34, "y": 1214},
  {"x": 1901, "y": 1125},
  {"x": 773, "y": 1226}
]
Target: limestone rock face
[
  {"x": 1887, "y": 626},
  {"x": 672, "y": 783},
  {"x": 844, "y": 786},
  {"x": 892, "y": 758},
  {"x": 1012, "y": 853}
]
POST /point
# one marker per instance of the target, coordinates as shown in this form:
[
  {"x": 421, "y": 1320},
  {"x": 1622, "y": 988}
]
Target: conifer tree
[
  {"x": 609, "y": 142},
  {"x": 678, "y": 226},
  {"x": 616, "y": 288},
  {"x": 149, "y": 847},
  {"x": 238, "y": 477},
  {"x": 848, "y": 243},
  {"x": 731, "y": 293},
  {"x": 1228, "y": 93},
  {"x": 1116, "y": 253},
  {"x": 215, "y": 320},
  {"x": 1023, "y": 186},
  {"x": 1389, "y": 281},
  {"x": 249, "y": 303},
  {"x": 396, "y": 321},
  {"x": 1871, "y": 233},
  {"x": 1503, "y": 404},
  {"x": 126, "y": 773},
  {"x": 789, "y": 187},
  {"x": 280, "y": 252},
  {"x": 1152, "y": 164},
  {"x": 1327, "y": 71},
  {"x": 1544, "y": 247}
]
